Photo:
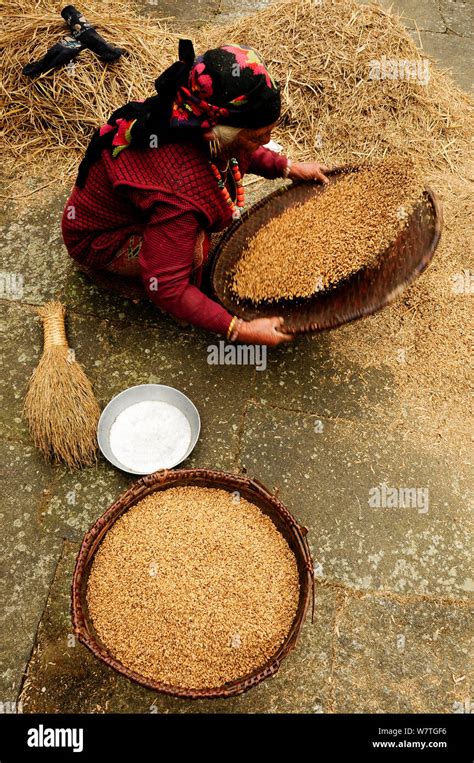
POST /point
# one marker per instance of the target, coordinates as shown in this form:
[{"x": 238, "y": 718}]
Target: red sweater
[{"x": 168, "y": 195}]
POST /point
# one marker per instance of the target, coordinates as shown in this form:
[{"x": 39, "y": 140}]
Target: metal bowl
[{"x": 138, "y": 394}]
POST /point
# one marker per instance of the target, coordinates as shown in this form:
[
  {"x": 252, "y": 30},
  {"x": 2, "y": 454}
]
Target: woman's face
[
  {"x": 250, "y": 140},
  {"x": 247, "y": 141}
]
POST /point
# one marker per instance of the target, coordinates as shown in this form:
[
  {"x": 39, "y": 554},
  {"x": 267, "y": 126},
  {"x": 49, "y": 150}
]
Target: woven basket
[
  {"x": 249, "y": 489},
  {"x": 363, "y": 293}
]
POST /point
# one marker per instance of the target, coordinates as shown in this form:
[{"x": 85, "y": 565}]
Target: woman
[{"x": 164, "y": 173}]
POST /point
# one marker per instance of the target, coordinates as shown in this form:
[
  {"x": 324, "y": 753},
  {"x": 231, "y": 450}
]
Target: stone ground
[{"x": 392, "y": 586}]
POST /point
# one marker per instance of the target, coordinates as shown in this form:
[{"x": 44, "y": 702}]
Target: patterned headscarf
[{"x": 229, "y": 85}]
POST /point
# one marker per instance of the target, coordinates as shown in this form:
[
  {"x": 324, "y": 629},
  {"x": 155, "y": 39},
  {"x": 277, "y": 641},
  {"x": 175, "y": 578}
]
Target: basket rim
[
  {"x": 348, "y": 317},
  {"x": 164, "y": 479}
]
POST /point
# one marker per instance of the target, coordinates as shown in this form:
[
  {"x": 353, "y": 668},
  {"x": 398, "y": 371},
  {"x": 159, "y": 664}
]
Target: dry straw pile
[
  {"x": 49, "y": 120},
  {"x": 321, "y": 53},
  {"x": 334, "y": 106},
  {"x": 193, "y": 588}
]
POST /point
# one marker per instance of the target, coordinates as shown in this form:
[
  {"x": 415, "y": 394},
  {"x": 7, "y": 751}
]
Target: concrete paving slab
[
  {"x": 402, "y": 657},
  {"x": 59, "y": 654},
  {"x": 452, "y": 53},
  {"x": 182, "y": 11},
  {"x": 77, "y": 500},
  {"x": 31, "y": 243},
  {"x": 424, "y": 14},
  {"x": 458, "y": 15},
  {"x": 64, "y": 676},
  {"x": 17, "y": 362},
  {"x": 84, "y": 297},
  {"x": 230, "y": 10},
  {"x": 326, "y": 470},
  {"x": 29, "y": 556},
  {"x": 200, "y": 12},
  {"x": 306, "y": 375}
]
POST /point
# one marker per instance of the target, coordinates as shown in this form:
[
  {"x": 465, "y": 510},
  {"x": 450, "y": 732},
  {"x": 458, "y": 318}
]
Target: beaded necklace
[{"x": 240, "y": 199}]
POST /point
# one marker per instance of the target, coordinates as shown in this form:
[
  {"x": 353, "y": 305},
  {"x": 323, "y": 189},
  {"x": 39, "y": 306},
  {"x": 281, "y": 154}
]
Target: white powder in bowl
[{"x": 150, "y": 435}]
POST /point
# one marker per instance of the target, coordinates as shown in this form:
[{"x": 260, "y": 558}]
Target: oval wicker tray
[
  {"x": 250, "y": 489},
  {"x": 365, "y": 292}
]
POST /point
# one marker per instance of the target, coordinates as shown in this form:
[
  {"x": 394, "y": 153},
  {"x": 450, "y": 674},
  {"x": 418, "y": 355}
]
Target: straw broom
[{"x": 60, "y": 408}]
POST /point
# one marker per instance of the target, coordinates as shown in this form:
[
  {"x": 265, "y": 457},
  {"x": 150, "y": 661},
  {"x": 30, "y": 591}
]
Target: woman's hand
[
  {"x": 308, "y": 171},
  {"x": 263, "y": 331}
]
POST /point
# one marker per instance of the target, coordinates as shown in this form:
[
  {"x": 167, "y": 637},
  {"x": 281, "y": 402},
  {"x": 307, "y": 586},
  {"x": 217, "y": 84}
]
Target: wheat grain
[{"x": 193, "y": 588}]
